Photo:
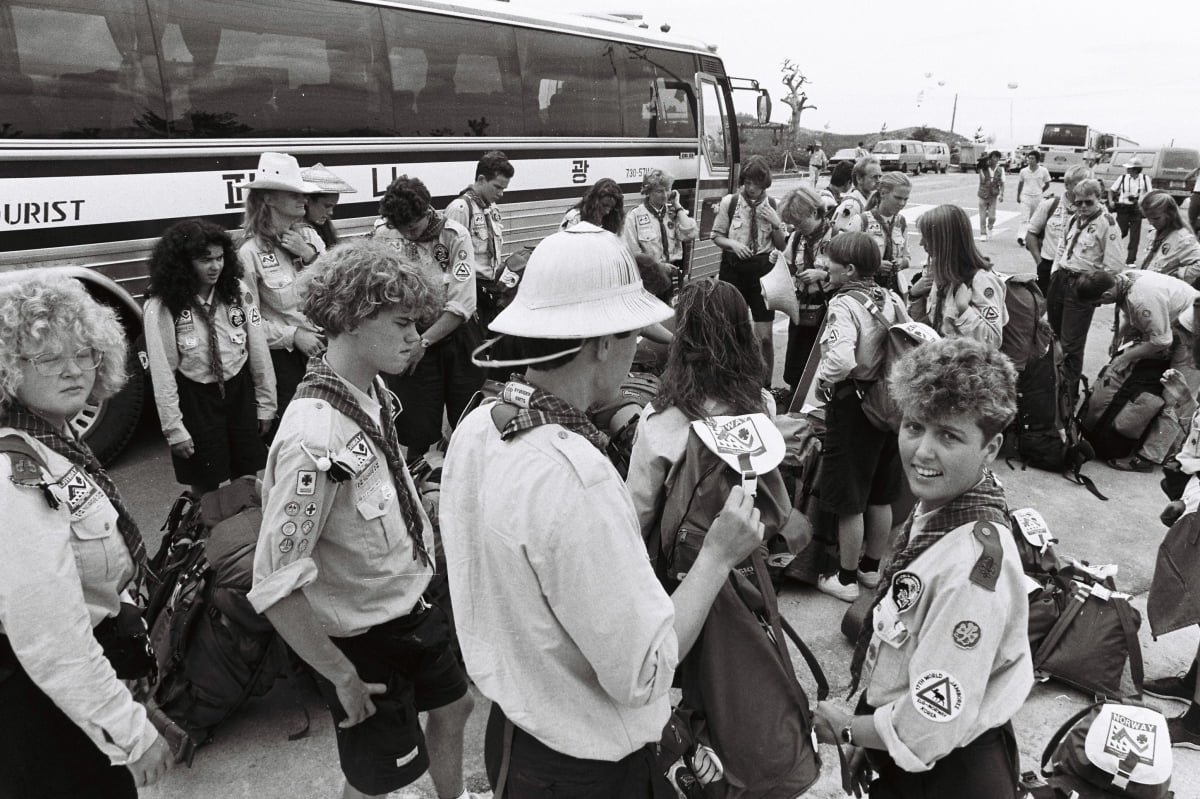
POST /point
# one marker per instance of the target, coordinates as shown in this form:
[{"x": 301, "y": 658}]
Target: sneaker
[
  {"x": 1181, "y": 736},
  {"x": 1177, "y": 687},
  {"x": 830, "y": 584},
  {"x": 868, "y": 579}
]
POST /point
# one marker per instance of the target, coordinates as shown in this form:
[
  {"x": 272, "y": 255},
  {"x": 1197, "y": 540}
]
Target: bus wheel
[{"x": 107, "y": 426}]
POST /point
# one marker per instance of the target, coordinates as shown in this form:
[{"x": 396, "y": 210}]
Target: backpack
[
  {"x": 877, "y": 403},
  {"x": 1119, "y": 408},
  {"x": 214, "y": 650},
  {"x": 1045, "y": 433},
  {"x": 1027, "y": 333},
  {"x": 741, "y": 697},
  {"x": 1121, "y": 750}
]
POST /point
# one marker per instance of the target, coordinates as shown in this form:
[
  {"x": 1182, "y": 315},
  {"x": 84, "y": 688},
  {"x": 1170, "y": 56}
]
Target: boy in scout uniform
[
  {"x": 439, "y": 375},
  {"x": 1091, "y": 243},
  {"x": 945, "y": 650},
  {"x": 659, "y": 226},
  {"x": 476, "y": 209},
  {"x": 343, "y": 558}
]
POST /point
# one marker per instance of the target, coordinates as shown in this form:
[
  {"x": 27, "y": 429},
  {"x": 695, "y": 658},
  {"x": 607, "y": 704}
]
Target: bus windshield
[
  {"x": 1065, "y": 135},
  {"x": 886, "y": 148}
]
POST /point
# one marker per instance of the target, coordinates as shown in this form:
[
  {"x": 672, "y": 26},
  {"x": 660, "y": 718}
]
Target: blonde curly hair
[
  {"x": 54, "y": 314},
  {"x": 955, "y": 376},
  {"x": 354, "y": 281}
]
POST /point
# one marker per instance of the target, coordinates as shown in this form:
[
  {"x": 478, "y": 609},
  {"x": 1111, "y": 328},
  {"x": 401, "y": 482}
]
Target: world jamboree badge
[{"x": 938, "y": 696}]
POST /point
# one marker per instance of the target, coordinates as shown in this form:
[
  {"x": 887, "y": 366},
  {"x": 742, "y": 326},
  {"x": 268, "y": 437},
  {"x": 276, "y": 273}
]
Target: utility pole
[{"x": 954, "y": 112}]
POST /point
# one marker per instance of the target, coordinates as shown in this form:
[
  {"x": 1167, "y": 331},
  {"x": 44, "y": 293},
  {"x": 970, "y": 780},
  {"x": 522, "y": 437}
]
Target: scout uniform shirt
[
  {"x": 1154, "y": 302},
  {"x": 985, "y": 316},
  {"x": 949, "y": 659},
  {"x": 487, "y": 233},
  {"x": 644, "y": 228},
  {"x": 449, "y": 262},
  {"x": 1176, "y": 254},
  {"x": 1049, "y": 222},
  {"x": 1090, "y": 243},
  {"x": 332, "y": 523},
  {"x": 271, "y": 275},
  {"x": 853, "y": 343},
  {"x": 738, "y": 228},
  {"x": 62, "y": 574},
  {"x": 182, "y": 346}
]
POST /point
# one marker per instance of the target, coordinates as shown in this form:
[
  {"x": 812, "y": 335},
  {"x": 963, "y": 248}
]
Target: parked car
[
  {"x": 844, "y": 154},
  {"x": 906, "y": 155},
  {"x": 937, "y": 156},
  {"x": 1168, "y": 168}
]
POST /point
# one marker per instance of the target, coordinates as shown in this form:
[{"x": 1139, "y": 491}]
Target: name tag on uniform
[{"x": 267, "y": 260}]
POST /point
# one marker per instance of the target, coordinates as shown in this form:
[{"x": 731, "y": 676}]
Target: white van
[
  {"x": 906, "y": 155},
  {"x": 937, "y": 156}
]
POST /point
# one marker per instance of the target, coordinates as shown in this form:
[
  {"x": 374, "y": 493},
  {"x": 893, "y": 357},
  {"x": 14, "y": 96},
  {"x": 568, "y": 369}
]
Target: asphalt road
[{"x": 252, "y": 756}]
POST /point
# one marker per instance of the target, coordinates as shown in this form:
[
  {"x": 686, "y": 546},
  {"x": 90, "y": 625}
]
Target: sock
[
  {"x": 868, "y": 564},
  {"x": 847, "y": 576},
  {"x": 1191, "y": 719}
]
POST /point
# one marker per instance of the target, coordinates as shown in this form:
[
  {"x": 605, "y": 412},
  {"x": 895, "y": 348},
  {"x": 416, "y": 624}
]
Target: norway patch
[{"x": 938, "y": 696}]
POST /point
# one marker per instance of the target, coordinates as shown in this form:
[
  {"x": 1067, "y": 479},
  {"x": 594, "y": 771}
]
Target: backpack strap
[
  {"x": 865, "y": 301},
  {"x": 1061, "y": 733},
  {"x": 28, "y": 467}
]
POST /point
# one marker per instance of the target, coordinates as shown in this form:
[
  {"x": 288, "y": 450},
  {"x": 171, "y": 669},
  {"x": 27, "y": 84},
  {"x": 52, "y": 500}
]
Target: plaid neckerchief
[
  {"x": 474, "y": 199},
  {"x": 20, "y": 417},
  {"x": 1083, "y": 222},
  {"x": 433, "y": 230},
  {"x": 536, "y": 407},
  {"x": 984, "y": 502},
  {"x": 209, "y": 311},
  {"x": 321, "y": 382}
]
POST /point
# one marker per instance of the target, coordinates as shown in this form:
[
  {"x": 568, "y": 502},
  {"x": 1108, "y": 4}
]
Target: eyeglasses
[
  {"x": 1086, "y": 201},
  {"x": 87, "y": 359}
]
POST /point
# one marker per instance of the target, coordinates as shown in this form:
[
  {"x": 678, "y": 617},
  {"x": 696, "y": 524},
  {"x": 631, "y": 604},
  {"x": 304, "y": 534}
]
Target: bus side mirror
[{"x": 764, "y": 107}]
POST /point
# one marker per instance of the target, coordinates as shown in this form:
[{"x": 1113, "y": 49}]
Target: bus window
[
  {"x": 571, "y": 85},
  {"x": 656, "y": 96},
  {"x": 273, "y": 67},
  {"x": 716, "y": 125},
  {"x": 105, "y": 84}
]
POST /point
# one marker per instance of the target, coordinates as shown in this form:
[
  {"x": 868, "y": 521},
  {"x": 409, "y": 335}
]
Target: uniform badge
[
  {"x": 360, "y": 450},
  {"x": 237, "y": 317},
  {"x": 991, "y": 314},
  {"x": 306, "y": 526},
  {"x": 397, "y": 245},
  {"x": 189, "y": 342},
  {"x": 292, "y": 508},
  {"x": 1166, "y": 248},
  {"x": 310, "y": 509},
  {"x": 1091, "y": 229},
  {"x": 441, "y": 253},
  {"x": 906, "y": 590},
  {"x": 185, "y": 315},
  {"x": 938, "y": 696},
  {"x": 289, "y": 528},
  {"x": 462, "y": 271},
  {"x": 247, "y": 299},
  {"x": 966, "y": 634},
  {"x": 267, "y": 260},
  {"x": 285, "y": 546},
  {"x": 989, "y": 292},
  {"x": 306, "y": 482},
  {"x": 77, "y": 490},
  {"x": 1147, "y": 313},
  {"x": 462, "y": 255},
  {"x": 302, "y": 547},
  {"x": 255, "y": 317}
]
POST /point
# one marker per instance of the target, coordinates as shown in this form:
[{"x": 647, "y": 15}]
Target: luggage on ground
[
  {"x": 1119, "y": 408},
  {"x": 1027, "y": 334},
  {"x": 1174, "y": 601}
]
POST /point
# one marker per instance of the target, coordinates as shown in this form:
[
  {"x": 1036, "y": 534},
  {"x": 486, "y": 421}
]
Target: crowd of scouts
[{"x": 344, "y": 357}]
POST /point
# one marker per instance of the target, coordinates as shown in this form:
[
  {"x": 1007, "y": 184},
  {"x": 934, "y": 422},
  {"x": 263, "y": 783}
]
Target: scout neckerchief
[
  {"x": 209, "y": 312},
  {"x": 1159, "y": 239},
  {"x": 433, "y": 230},
  {"x": 809, "y": 253},
  {"x": 321, "y": 382},
  {"x": 1078, "y": 230},
  {"x": 888, "y": 226},
  {"x": 536, "y": 407},
  {"x": 473, "y": 198},
  {"x": 20, "y": 417},
  {"x": 662, "y": 228},
  {"x": 753, "y": 206},
  {"x": 984, "y": 502}
]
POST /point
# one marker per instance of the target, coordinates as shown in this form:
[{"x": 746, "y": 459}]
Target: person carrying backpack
[
  {"x": 563, "y": 624},
  {"x": 209, "y": 360},
  {"x": 888, "y": 228},
  {"x": 945, "y": 652},
  {"x": 860, "y": 475},
  {"x": 344, "y": 554},
  {"x": 73, "y": 560}
]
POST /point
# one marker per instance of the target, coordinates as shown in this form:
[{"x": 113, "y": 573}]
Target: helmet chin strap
[{"x": 488, "y": 363}]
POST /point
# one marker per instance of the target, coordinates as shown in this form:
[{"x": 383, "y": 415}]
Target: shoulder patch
[
  {"x": 989, "y": 292},
  {"x": 906, "y": 590},
  {"x": 986, "y": 571},
  {"x": 991, "y": 314},
  {"x": 462, "y": 271},
  {"x": 966, "y": 634},
  {"x": 938, "y": 696}
]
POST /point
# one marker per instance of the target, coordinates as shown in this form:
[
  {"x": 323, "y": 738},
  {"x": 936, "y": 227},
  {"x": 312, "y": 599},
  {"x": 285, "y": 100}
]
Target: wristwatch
[
  {"x": 847, "y": 735},
  {"x": 425, "y": 343}
]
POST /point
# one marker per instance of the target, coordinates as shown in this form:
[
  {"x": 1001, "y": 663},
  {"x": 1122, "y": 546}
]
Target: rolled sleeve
[
  {"x": 1114, "y": 250},
  {"x": 163, "y": 359},
  {"x": 838, "y": 344},
  {"x": 685, "y": 226},
  {"x": 44, "y": 615},
  {"x": 261, "y": 366},
  {"x": 985, "y": 317},
  {"x": 721, "y": 222}
]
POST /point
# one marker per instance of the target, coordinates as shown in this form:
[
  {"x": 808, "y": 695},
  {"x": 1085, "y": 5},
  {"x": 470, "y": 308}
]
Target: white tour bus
[
  {"x": 119, "y": 118},
  {"x": 1066, "y": 144}
]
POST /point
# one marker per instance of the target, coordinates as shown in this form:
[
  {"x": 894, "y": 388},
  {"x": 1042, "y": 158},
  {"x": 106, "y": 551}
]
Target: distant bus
[
  {"x": 119, "y": 118},
  {"x": 1065, "y": 145}
]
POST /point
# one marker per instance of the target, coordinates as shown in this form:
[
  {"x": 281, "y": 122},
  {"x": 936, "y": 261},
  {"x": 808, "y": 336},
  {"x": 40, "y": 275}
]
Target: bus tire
[{"x": 106, "y": 427}]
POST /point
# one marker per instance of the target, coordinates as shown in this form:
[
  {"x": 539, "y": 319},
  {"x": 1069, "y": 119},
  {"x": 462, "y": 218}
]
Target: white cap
[
  {"x": 281, "y": 172},
  {"x": 580, "y": 283}
]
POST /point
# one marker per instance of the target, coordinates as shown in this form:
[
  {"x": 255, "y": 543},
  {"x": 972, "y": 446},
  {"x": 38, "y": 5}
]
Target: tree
[
  {"x": 979, "y": 138},
  {"x": 923, "y": 133},
  {"x": 796, "y": 98}
]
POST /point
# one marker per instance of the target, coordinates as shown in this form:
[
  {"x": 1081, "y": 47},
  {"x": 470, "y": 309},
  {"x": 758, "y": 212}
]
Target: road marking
[{"x": 912, "y": 212}]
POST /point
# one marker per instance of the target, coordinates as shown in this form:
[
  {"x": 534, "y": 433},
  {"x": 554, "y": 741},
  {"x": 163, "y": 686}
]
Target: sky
[{"x": 1124, "y": 67}]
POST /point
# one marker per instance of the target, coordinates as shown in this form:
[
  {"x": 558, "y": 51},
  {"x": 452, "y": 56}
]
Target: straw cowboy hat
[
  {"x": 279, "y": 171},
  {"x": 329, "y": 182},
  {"x": 1135, "y": 163},
  {"x": 580, "y": 283}
]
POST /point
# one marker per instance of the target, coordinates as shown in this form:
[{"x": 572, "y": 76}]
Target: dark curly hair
[
  {"x": 589, "y": 206},
  {"x": 405, "y": 201},
  {"x": 714, "y": 355},
  {"x": 172, "y": 276}
]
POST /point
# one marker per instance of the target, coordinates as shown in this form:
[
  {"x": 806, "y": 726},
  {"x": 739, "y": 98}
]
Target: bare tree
[{"x": 796, "y": 99}]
